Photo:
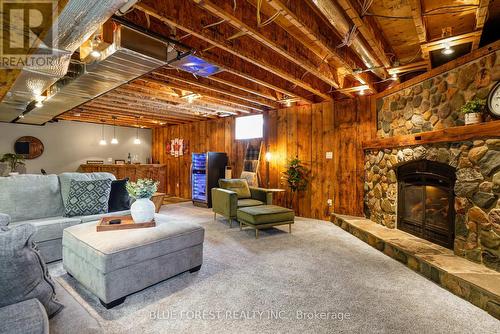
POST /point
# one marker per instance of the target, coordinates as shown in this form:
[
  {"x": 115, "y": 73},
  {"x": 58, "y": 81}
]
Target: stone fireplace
[
  {"x": 426, "y": 201},
  {"x": 445, "y": 192},
  {"x": 476, "y": 166}
]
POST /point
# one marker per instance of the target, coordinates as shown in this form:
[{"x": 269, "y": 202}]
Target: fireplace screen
[{"x": 425, "y": 201}]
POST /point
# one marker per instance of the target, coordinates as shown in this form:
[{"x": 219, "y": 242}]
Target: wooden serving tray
[{"x": 126, "y": 224}]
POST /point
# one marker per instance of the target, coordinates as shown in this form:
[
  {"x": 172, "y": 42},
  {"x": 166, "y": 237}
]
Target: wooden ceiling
[{"x": 276, "y": 52}]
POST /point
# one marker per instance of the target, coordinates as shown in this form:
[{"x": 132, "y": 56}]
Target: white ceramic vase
[
  {"x": 473, "y": 118},
  {"x": 142, "y": 210}
]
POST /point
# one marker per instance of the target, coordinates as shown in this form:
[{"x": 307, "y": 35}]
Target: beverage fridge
[{"x": 206, "y": 170}]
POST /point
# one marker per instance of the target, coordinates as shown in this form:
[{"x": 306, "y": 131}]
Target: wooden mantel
[{"x": 453, "y": 134}]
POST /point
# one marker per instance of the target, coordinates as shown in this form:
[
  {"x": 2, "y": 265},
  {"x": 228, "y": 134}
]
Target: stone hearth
[{"x": 477, "y": 190}]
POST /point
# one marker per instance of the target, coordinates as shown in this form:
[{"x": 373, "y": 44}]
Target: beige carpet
[{"x": 319, "y": 279}]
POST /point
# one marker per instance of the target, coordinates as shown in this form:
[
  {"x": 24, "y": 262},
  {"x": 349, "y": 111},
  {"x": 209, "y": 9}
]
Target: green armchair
[{"x": 233, "y": 194}]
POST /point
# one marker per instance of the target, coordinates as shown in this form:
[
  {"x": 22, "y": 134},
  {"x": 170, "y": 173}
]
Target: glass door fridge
[{"x": 206, "y": 170}]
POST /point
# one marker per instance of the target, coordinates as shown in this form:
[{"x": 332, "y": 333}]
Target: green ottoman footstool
[{"x": 265, "y": 216}]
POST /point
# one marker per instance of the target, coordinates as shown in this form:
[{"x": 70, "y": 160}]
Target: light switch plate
[{"x": 329, "y": 155}]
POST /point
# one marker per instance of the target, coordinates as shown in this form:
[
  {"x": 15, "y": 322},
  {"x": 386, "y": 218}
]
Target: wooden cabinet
[{"x": 156, "y": 172}]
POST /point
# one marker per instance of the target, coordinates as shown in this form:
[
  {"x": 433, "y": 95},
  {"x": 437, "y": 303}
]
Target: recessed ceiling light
[{"x": 447, "y": 49}]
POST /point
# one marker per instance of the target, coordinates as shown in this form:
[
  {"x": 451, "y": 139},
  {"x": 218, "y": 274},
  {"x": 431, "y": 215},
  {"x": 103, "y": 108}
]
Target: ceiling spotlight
[
  {"x": 447, "y": 49},
  {"x": 394, "y": 76},
  {"x": 95, "y": 54},
  {"x": 39, "y": 104},
  {"x": 362, "y": 92},
  {"x": 21, "y": 116}
]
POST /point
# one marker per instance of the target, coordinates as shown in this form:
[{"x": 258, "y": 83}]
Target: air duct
[
  {"x": 338, "y": 21},
  {"x": 74, "y": 25},
  {"x": 131, "y": 55}
]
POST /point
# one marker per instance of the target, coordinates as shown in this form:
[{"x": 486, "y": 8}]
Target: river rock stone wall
[
  {"x": 435, "y": 103},
  {"x": 477, "y": 190}
]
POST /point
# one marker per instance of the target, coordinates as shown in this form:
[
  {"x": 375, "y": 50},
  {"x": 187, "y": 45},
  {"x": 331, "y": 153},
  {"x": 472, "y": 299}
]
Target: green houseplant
[
  {"x": 473, "y": 111},
  {"x": 13, "y": 160},
  {"x": 143, "y": 209},
  {"x": 295, "y": 177}
]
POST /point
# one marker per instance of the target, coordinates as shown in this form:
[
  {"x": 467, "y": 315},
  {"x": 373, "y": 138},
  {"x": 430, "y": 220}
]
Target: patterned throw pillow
[{"x": 88, "y": 197}]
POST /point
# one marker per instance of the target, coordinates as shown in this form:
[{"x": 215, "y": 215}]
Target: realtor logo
[{"x": 27, "y": 25}]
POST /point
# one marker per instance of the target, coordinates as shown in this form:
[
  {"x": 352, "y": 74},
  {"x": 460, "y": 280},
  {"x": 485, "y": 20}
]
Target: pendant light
[
  {"x": 102, "y": 142},
  {"x": 137, "y": 141},
  {"x": 114, "y": 141}
]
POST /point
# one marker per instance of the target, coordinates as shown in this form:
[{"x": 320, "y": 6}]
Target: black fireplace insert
[{"x": 426, "y": 201}]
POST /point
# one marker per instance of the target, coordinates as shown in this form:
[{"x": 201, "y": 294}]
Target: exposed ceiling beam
[
  {"x": 322, "y": 36},
  {"x": 242, "y": 17},
  {"x": 416, "y": 13},
  {"x": 336, "y": 18},
  {"x": 203, "y": 102},
  {"x": 451, "y": 41},
  {"x": 419, "y": 65},
  {"x": 481, "y": 15},
  {"x": 368, "y": 30},
  {"x": 188, "y": 17},
  {"x": 247, "y": 89},
  {"x": 206, "y": 94},
  {"x": 213, "y": 86}
]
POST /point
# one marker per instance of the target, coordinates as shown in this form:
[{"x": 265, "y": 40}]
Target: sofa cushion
[
  {"x": 91, "y": 218},
  {"x": 119, "y": 198},
  {"x": 264, "y": 214},
  {"x": 28, "y": 196},
  {"x": 88, "y": 197},
  {"x": 27, "y": 317},
  {"x": 50, "y": 228},
  {"x": 239, "y": 186},
  {"x": 24, "y": 274},
  {"x": 112, "y": 250},
  {"x": 65, "y": 181},
  {"x": 249, "y": 202}
]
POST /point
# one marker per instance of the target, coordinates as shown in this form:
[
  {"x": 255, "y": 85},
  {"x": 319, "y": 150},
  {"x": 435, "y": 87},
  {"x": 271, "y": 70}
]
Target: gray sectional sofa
[{"x": 39, "y": 200}]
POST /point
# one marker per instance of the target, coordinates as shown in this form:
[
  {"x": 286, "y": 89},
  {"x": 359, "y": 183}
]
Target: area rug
[{"x": 319, "y": 279}]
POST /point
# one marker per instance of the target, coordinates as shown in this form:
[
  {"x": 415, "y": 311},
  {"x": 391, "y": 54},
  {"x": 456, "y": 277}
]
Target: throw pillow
[
  {"x": 239, "y": 186},
  {"x": 119, "y": 199},
  {"x": 88, "y": 197},
  {"x": 24, "y": 273}
]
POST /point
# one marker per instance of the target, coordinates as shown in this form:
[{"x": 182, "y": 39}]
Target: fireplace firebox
[{"x": 426, "y": 201}]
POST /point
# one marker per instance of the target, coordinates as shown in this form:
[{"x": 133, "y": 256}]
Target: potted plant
[
  {"x": 473, "y": 111},
  {"x": 143, "y": 209},
  {"x": 13, "y": 160},
  {"x": 295, "y": 177}
]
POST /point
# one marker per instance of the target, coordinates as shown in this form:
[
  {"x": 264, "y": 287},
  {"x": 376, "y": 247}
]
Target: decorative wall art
[{"x": 177, "y": 147}]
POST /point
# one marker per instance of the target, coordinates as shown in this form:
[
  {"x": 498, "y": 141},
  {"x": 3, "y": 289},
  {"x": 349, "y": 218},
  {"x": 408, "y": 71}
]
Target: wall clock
[{"x": 494, "y": 100}]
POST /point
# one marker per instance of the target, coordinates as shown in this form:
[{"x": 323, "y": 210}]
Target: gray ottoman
[
  {"x": 265, "y": 216},
  {"x": 114, "y": 264}
]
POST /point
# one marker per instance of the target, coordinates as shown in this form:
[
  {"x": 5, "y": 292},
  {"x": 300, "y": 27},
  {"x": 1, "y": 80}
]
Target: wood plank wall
[{"x": 305, "y": 131}]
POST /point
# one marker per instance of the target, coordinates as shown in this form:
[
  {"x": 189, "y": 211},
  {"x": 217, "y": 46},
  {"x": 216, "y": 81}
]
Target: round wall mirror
[{"x": 29, "y": 147}]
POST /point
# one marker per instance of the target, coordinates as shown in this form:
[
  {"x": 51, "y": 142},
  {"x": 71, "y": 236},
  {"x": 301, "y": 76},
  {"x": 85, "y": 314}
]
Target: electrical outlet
[
  {"x": 329, "y": 155},
  {"x": 329, "y": 202}
]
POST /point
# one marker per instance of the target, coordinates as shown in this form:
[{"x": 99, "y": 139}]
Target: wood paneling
[{"x": 307, "y": 132}]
